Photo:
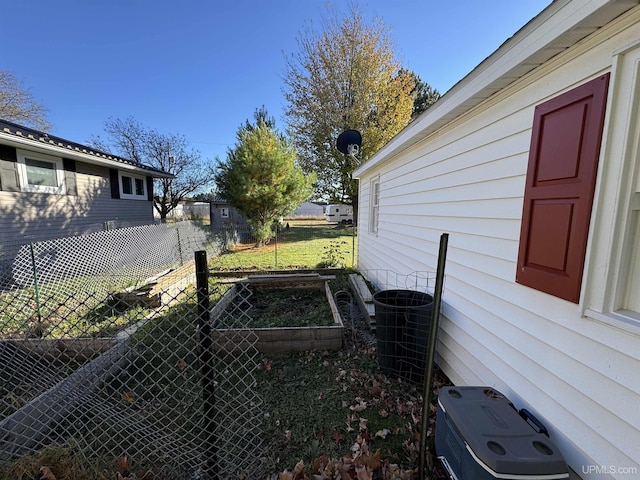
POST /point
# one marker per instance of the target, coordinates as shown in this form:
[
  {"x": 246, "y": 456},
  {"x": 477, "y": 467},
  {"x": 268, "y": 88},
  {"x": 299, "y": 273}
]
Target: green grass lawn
[{"x": 302, "y": 245}]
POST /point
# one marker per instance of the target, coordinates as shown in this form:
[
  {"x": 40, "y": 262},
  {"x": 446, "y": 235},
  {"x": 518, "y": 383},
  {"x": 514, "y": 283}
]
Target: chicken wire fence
[
  {"x": 101, "y": 352},
  {"x": 403, "y": 305}
]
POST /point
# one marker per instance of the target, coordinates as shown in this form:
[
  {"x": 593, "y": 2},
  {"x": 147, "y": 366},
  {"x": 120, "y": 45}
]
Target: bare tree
[
  {"x": 17, "y": 103},
  {"x": 168, "y": 152}
]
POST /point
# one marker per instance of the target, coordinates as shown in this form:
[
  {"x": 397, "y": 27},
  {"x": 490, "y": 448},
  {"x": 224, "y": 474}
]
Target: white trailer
[{"x": 339, "y": 213}]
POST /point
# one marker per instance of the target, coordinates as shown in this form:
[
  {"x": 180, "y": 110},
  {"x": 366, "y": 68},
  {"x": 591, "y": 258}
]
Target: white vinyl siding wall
[{"x": 578, "y": 374}]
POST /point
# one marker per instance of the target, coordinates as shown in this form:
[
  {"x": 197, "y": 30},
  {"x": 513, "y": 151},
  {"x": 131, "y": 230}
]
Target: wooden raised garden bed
[{"x": 277, "y": 338}]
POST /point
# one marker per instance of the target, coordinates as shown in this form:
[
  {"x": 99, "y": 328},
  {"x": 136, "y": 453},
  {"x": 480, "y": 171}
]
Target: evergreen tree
[
  {"x": 424, "y": 94},
  {"x": 260, "y": 176}
]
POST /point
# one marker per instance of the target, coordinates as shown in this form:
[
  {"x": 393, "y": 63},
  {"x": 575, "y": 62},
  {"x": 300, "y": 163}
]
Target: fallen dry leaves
[
  {"x": 360, "y": 464},
  {"x": 378, "y": 411}
]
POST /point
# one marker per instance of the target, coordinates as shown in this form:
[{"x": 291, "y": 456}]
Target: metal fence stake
[
  {"x": 353, "y": 246},
  {"x": 276, "y": 248},
  {"x": 207, "y": 363},
  {"x": 431, "y": 350},
  {"x": 35, "y": 285},
  {"x": 180, "y": 247}
]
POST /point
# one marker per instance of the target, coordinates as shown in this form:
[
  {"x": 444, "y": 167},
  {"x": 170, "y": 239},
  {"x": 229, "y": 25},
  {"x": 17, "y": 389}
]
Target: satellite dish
[{"x": 349, "y": 142}]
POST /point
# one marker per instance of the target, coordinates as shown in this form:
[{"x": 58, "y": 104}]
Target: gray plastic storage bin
[{"x": 481, "y": 436}]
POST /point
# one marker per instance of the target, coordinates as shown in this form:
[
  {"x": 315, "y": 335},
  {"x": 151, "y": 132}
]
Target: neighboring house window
[
  {"x": 224, "y": 212},
  {"x": 374, "y": 207},
  {"x": 132, "y": 186},
  {"x": 40, "y": 173},
  {"x": 559, "y": 189}
]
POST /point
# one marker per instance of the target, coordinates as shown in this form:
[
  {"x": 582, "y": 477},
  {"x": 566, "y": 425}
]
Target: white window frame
[
  {"x": 613, "y": 263},
  {"x": 134, "y": 177},
  {"x": 374, "y": 204},
  {"x": 23, "y": 155},
  {"x": 224, "y": 212}
]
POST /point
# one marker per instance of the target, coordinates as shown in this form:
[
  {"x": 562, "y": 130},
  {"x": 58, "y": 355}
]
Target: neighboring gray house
[
  {"x": 531, "y": 164},
  {"x": 51, "y": 187}
]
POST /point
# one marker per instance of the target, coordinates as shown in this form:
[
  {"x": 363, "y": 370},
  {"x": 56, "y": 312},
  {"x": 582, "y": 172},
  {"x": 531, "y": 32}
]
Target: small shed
[
  {"x": 223, "y": 214},
  {"x": 309, "y": 210}
]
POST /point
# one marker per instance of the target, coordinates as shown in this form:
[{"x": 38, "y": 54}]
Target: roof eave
[
  {"x": 84, "y": 155},
  {"x": 558, "y": 27}
]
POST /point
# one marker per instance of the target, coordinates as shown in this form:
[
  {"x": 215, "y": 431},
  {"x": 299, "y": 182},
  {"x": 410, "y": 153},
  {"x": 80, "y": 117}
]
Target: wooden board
[
  {"x": 364, "y": 297},
  {"x": 293, "y": 280}
]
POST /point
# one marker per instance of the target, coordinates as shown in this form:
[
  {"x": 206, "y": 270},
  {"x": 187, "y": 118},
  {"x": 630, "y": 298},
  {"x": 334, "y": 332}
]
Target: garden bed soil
[{"x": 291, "y": 312}]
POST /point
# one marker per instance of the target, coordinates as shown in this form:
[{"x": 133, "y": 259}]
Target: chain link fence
[
  {"x": 101, "y": 350},
  {"x": 106, "y": 349},
  {"x": 120, "y": 349}
]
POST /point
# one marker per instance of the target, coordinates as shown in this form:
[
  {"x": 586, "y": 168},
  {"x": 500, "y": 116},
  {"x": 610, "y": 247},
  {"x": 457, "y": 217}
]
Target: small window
[
  {"x": 224, "y": 212},
  {"x": 40, "y": 173},
  {"x": 126, "y": 186},
  {"x": 132, "y": 187},
  {"x": 375, "y": 199}
]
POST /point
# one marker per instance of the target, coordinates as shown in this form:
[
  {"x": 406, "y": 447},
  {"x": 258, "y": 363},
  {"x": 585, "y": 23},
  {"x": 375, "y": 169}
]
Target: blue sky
[{"x": 201, "y": 68}]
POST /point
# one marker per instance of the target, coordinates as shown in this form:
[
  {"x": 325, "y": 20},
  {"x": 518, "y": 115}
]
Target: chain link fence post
[
  {"x": 353, "y": 246},
  {"x": 35, "y": 283},
  {"x": 276, "y": 248},
  {"x": 430, "y": 353},
  {"x": 180, "y": 247},
  {"x": 207, "y": 363}
]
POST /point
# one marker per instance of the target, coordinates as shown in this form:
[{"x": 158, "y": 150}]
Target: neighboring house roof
[
  {"x": 558, "y": 27},
  {"x": 29, "y": 138}
]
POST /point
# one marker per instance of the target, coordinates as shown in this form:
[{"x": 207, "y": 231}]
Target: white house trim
[
  {"x": 560, "y": 26},
  {"x": 614, "y": 243},
  {"x": 25, "y": 186}
]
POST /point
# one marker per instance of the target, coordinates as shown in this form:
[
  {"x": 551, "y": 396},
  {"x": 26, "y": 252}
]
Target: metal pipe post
[
  {"x": 36, "y": 286},
  {"x": 276, "y": 247},
  {"x": 353, "y": 245},
  {"x": 207, "y": 368},
  {"x": 431, "y": 351}
]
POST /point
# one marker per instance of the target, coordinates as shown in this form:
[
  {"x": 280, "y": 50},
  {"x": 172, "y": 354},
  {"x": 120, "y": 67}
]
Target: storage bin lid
[{"x": 497, "y": 435}]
